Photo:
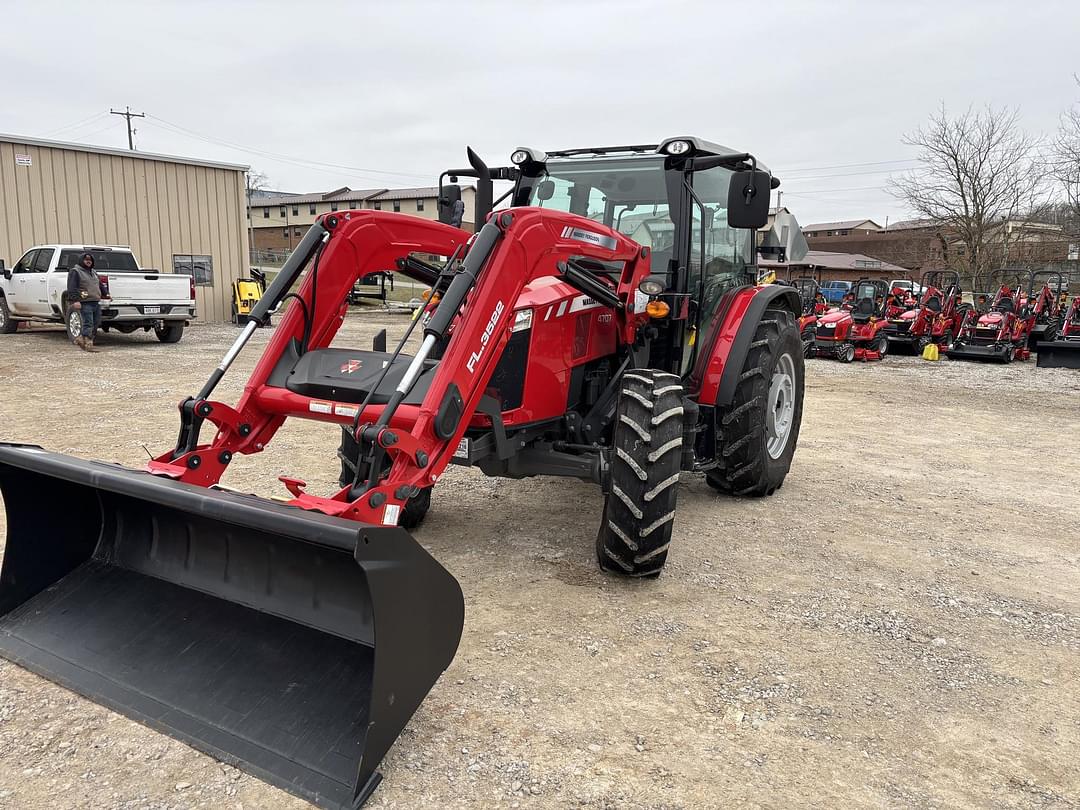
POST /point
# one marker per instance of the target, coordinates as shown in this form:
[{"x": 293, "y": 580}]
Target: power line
[
  {"x": 848, "y": 165},
  {"x": 297, "y": 161},
  {"x": 76, "y": 125}
]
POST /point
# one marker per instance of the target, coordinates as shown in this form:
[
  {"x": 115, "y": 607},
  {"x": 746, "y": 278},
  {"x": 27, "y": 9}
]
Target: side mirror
[
  {"x": 748, "y": 199},
  {"x": 450, "y": 194},
  {"x": 545, "y": 190}
]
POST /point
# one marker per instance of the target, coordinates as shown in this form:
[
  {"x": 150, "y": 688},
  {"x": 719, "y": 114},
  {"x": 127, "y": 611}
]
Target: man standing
[{"x": 84, "y": 292}]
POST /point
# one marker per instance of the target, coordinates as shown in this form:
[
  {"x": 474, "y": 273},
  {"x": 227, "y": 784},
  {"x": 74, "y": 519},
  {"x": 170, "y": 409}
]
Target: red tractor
[
  {"x": 1063, "y": 349},
  {"x": 855, "y": 331},
  {"x": 1003, "y": 331},
  {"x": 814, "y": 306},
  {"x": 605, "y": 326},
  {"x": 937, "y": 317}
]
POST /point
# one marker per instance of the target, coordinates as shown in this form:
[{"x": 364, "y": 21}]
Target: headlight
[
  {"x": 522, "y": 320},
  {"x": 651, "y": 286},
  {"x": 519, "y": 156},
  {"x": 677, "y": 147}
]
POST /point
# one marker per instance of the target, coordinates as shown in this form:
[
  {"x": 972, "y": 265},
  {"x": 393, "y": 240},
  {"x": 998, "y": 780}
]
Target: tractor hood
[{"x": 834, "y": 317}]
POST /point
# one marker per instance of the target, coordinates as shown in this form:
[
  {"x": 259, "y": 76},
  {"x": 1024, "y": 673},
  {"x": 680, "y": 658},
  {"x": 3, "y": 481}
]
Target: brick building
[
  {"x": 278, "y": 220},
  {"x": 923, "y": 245}
]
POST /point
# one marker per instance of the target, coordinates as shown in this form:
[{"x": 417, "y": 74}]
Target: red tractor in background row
[
  {"x": 1004, "y": 331},
  {"x": 937, "y": 317},
  {"x": 855, "y": 331},
  {"x": 604, "y": 326},
  {"x": 813, "y": 303},
  {"x": 1063, "y": 350}
]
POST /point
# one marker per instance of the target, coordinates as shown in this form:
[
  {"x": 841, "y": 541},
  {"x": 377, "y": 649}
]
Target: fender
[{"x": 731, "y": 338}]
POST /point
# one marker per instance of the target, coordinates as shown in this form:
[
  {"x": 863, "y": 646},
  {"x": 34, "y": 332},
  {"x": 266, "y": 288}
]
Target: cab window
[
  {"x": 25, "y": 264},
  {"x": 41, "y": 261}
]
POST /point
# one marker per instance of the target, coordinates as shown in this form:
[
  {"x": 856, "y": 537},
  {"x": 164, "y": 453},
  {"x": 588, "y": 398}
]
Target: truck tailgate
[{"x": 149, "y": 288}]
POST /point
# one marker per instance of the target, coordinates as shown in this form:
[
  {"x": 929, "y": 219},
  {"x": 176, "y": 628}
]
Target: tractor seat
[
  {"x": 934, "y": 304},
  {"x": 1005, "y": 305},
  {"x": 863, "y": 310},
  {"x": 347, "y": 375}
]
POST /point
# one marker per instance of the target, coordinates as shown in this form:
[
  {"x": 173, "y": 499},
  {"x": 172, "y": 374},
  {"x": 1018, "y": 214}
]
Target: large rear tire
[
  {"x": 639, "y": 511},
  {"x": 757, "y": 433}
]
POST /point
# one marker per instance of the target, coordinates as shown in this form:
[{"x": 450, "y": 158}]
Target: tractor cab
[
  {"x": 810, "y": 296},
  {"x": 869, "y": 300},
  {"x": 695, "y": 206}
]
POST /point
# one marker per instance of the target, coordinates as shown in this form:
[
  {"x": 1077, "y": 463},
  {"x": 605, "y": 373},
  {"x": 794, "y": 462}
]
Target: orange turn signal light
[{"x": 657, "y": 309}]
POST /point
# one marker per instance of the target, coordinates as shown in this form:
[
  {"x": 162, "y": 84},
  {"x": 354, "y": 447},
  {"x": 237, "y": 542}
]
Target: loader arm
[{"x": 413, "y": 442}]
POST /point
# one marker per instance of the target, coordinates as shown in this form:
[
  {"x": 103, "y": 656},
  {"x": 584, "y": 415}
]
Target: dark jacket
[{"x": 83, "y": 284}]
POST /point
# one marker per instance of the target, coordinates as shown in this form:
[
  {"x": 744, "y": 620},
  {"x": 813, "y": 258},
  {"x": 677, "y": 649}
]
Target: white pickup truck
[{"x": 35, "y": 289}]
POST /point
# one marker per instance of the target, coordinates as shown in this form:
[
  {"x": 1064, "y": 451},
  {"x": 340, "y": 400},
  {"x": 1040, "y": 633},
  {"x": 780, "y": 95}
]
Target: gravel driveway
[{"x": 898, "y": 627}]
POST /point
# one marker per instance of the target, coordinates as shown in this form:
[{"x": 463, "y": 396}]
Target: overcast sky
[{"x": 821, "y": 92}]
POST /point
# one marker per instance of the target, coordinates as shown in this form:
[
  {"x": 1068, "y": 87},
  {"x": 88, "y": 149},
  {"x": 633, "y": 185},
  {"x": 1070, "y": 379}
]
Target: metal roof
[
  {"x": 22, "y": 140},
  {"x": 829, "y": 260},
  {"x": 347, "y": 195},
  {"x": 842, "y": 225}
]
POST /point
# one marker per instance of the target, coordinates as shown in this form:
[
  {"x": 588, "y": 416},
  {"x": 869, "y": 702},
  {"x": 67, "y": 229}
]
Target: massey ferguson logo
[
  {"x": 474, "y": 358},
  {"x": 350, "y": 366},
  {"x": 570, "y": 232}
]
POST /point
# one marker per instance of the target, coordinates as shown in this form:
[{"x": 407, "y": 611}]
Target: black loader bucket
[
  {"x": 293, "y": 645},
  {"x": 1058, "y": 354}
]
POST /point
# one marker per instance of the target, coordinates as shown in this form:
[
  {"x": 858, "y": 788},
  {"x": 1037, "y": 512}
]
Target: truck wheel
[
  {"x": 639, "y": 511},
  {"x": 74, "y": 323},
  {"x": 416, "y": 508},
  {"x": 170, "y": 334},
  {"x": 7, "y": 326},
  {"x": 756, "y": 434}
]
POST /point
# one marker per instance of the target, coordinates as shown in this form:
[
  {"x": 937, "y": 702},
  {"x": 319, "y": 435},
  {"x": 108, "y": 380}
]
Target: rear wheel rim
[
  {"x": 780, "y": 414},
  {"x": 3, "y": 318}
]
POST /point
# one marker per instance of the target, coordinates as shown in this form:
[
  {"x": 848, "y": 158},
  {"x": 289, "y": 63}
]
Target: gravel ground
[{"x": 898, "y": 627}]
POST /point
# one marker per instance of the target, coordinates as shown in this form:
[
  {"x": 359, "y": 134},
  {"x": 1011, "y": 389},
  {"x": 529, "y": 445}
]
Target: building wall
[
  {"x": 160, "y": 208},
  {"x": 270, "y": 223}
]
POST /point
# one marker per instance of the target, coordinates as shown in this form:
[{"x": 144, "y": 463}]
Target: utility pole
[{"x": 128, "y": 114}]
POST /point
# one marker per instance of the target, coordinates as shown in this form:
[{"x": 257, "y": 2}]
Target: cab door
[
  {"x": 21, "y": 292},
  {"x": 37, "y": 283}
]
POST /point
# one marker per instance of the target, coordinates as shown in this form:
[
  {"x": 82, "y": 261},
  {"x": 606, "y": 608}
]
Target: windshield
[{"x": 103, "y": 260}]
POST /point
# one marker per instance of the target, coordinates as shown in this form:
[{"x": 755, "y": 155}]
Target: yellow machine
[{"x": 246, "y": 293}]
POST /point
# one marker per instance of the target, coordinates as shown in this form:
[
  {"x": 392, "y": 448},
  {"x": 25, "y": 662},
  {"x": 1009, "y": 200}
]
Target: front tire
[
  {"x": 639, "y": 511},
  {"x": 845, "y": 352},
  {"x": 7, "y": 326},
  {"x": 170, "y": 333},
  {"x": 757, "y": 433},
  {"x": 882, "y": 347}
]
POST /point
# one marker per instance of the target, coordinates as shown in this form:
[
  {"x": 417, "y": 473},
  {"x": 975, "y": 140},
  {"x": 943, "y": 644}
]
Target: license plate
[
  {"x": 151, "y": 310},
  {"x": 462, "y": 449}
]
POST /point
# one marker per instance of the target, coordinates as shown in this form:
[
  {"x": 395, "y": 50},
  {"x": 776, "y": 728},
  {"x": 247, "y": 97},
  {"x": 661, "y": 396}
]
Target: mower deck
[{"x": 976, "y": 351}]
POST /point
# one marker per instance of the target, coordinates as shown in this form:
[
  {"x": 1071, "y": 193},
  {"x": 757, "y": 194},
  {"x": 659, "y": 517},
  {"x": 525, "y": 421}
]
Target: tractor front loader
[
  {"x": 1062, "y": 350},
  {"x": 605, "y": 326}
]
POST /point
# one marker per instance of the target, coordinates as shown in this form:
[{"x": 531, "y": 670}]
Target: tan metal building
[{"x": 176, "y": 214}]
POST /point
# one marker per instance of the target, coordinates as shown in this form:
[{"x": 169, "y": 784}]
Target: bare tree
[
  {"x": 1065, "y": 166},
  {"x": 979, "y": 170},
  {"x": 255, "y": 181}
]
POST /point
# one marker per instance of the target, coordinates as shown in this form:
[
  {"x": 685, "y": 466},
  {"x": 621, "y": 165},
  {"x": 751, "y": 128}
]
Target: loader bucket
[
  {"x": 293, "y": 645},
  {"x": 1058, "y": 354}
]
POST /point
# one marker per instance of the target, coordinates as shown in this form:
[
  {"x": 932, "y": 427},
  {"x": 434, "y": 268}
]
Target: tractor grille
[{"x": 508, "y": 380}]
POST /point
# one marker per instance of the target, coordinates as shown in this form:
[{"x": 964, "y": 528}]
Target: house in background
[{"x": 279, "y": 219}]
